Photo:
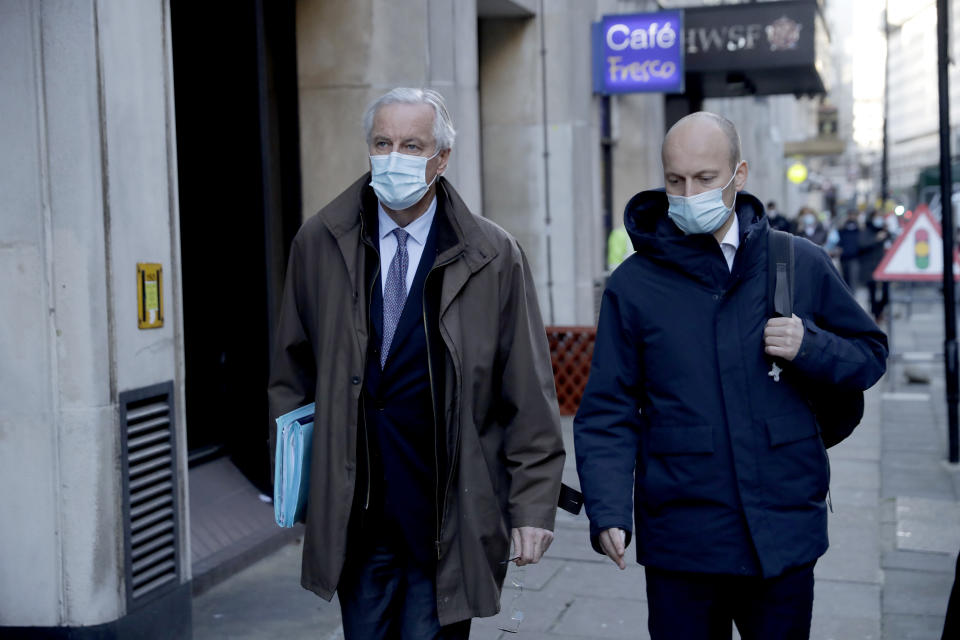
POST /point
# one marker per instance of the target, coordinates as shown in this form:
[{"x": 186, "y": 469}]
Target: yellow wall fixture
[{"x": 149, "y": 295}]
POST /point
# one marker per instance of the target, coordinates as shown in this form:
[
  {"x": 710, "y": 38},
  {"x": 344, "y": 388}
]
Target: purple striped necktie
[{"x": 394, "y": 293}]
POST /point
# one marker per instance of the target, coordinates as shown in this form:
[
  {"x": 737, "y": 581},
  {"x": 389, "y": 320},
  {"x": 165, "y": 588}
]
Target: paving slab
[
  {"x": 854, "y": 547},
  {"x": 265, "y": 600},
  {"x": 845, "y": 629},
  {"x": 854, "y": 474},
  {"x": 920, "y": 561},
  {"x": 928, "y": 525},
  {"x": 604, "y": 618},
  {"x": 541, "y": 610},
  {"x": 916, "y": 592},
  {"x": 601, "y": 581},
  {"x": 837, "y": 599},
  {"x": 909, "y": 627},
  {"x": 570, "y": 544}
]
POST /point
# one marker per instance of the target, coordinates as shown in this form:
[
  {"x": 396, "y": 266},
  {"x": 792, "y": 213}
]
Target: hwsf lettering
[{"x": 733, "y": 38}]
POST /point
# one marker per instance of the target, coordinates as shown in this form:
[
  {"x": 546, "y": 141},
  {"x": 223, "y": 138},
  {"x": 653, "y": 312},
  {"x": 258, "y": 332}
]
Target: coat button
[
  {"x": 716, "y": 297},
  {"x": 355, "y": 379}
]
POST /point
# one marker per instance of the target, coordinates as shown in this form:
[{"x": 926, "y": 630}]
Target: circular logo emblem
[{"x": 783, "y": 34}]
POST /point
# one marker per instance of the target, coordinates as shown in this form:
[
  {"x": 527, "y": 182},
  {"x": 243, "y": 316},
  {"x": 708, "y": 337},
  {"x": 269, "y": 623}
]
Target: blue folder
[{"x": 291, "y": 481}]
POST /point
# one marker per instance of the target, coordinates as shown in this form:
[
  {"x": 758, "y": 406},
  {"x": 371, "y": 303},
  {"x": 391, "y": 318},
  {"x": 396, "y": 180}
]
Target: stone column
[{"x": 89, "y": 170}]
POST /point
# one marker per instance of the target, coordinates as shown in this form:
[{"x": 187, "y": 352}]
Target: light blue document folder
[{"x": 291, "y": 480}]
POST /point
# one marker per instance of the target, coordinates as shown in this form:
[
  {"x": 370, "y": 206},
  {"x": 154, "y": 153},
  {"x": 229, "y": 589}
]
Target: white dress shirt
[
  {"x": 730, "y": 242},
  {"x": 419, "y": 229}
]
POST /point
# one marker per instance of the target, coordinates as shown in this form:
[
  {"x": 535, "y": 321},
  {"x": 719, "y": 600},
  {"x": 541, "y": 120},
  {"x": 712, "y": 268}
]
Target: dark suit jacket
[{"x": 399, "y": 421}]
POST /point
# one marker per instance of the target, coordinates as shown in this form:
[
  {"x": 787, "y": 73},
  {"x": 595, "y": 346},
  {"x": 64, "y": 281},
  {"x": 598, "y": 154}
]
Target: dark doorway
[{"x": 235, "y": 82}]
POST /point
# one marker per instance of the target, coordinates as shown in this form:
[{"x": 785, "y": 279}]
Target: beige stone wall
[
  {"x": 539, "y": 127},
  {"x": 349, "y": 53}
]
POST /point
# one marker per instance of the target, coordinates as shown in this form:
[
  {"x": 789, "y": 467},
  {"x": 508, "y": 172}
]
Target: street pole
[
  {"x": 606, "y": 152},
  {"x": 949, "y": 233},
  {"x": 884, "y": 167}
]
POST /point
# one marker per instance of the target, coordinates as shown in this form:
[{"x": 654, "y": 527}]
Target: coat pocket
[
  {"x": 791, "y": 427},
  {"x": 679, "y": 467},
  {"x": 795, "y": 468}
]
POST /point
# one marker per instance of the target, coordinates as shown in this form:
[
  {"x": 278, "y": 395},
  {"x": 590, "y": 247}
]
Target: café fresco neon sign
[{"x": 639, "y": 53}]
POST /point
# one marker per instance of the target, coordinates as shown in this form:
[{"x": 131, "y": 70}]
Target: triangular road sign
[{"x": 917, "y": 253}]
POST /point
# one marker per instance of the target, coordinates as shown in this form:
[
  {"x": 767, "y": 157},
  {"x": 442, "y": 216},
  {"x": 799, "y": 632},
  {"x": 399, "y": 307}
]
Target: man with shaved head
[{"x": 696, "y": 418}]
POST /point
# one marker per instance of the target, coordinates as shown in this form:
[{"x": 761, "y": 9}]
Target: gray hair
[
  {"x": 726, "y": 126},
  {"x": 443, "y": 131}
]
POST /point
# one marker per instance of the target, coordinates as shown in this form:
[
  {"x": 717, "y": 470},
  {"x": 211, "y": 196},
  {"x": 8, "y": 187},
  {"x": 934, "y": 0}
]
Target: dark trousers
[
  {"x": 851, "y": 272},
  {"x": 879, "y": 297},
  {"x": 387, "y": 595},
  {"x": 696, "y": 606}
]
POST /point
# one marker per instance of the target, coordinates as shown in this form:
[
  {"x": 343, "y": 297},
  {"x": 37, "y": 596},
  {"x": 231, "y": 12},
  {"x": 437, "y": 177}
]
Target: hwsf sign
[{"x": 780, "y": 35}]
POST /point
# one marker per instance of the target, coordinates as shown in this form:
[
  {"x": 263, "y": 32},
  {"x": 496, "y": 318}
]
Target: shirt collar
[
  {"x": 419, "y": 229},
  {"x": 732, "y": 237}
]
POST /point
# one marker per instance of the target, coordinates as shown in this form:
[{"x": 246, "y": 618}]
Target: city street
[
  {"x": 894, "y": 535},
  {"x": 206, "y": 224}
]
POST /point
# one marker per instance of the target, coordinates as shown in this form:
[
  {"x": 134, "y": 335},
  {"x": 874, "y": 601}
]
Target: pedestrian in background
[
  {"x": 874, "y": 244},
  {"x": 618, "y": 247},
  {"x": 849, "y": 246},
  {"x": 777, "y": 220},
  {"x": 684, "y": 421},
  {"x": 810, "y": 227},
  {"x": 414, "y": 326}
]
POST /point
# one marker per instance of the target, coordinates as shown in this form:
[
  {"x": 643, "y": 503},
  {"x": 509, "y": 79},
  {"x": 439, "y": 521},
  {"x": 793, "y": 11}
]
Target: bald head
[
  {"x": 701, "y": 153},
  {"x": 704, "y": 128}
]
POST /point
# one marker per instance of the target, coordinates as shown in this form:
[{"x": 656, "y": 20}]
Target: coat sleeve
[
  {"x": 606, "y": 430},
  {"x": 841, "y": 344},
  {"x": 533, "y": 443},
  {"x": 293, "y": 371}
]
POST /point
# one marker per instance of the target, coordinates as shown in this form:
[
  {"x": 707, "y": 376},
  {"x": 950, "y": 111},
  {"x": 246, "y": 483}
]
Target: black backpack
[{"x": 837, "y": 411}]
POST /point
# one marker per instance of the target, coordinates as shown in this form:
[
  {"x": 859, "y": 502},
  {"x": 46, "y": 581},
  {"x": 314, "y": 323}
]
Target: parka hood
[{"x": 657, "y": 238}]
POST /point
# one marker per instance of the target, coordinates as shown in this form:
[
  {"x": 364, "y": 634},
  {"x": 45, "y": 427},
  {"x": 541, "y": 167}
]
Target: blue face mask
[
  {"x": 702, "y": 213},
  {"x": 400, "y": 180}
]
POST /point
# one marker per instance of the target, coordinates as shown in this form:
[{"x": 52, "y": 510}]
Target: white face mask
[
  {"x": 400, "y": 180},
  {"x": 703, "y": 213}
]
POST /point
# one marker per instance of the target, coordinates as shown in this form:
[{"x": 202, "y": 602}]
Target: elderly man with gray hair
[{"x": 414, "y": 326}]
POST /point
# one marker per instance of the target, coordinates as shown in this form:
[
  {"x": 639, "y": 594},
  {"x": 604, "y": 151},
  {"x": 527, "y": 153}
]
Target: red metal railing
[{"x": 571, "y": 349}]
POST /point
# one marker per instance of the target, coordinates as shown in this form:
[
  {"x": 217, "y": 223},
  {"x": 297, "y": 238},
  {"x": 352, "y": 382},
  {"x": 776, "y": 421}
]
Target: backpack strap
[{"x": 780, "y": 261}]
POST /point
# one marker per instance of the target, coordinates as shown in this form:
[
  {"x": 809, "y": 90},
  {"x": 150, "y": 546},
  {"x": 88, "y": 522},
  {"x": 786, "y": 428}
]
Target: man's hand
[
  {"x": 530, "y": 543},
  {"x": 782, "y": 337},
  {"x": 612, "y": 543}
]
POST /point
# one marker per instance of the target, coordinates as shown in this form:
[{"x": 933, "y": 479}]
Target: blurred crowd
[{"x": 856, "y": 241}]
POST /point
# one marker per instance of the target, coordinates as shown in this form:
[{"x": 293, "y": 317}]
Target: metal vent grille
[{"x": 151, "y": 509}]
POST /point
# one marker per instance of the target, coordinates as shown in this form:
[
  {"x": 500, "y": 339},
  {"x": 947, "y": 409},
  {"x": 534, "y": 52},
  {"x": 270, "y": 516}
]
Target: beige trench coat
[{"x": 501, "y": 418}]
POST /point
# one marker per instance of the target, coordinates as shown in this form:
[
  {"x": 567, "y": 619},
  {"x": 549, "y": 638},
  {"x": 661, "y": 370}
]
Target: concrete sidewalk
[
  {"x": 920, "y": 492},
  {"x": 894, "y": 535}
]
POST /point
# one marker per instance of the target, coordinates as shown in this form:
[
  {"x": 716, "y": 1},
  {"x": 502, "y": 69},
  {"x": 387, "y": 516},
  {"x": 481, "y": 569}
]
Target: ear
[
  {"x": 740, "y": 177},
  {"x": 442, "y": 159}
]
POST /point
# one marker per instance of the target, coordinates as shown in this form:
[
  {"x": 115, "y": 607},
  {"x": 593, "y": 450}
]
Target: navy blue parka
[{"x": 681, "y": 422}]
